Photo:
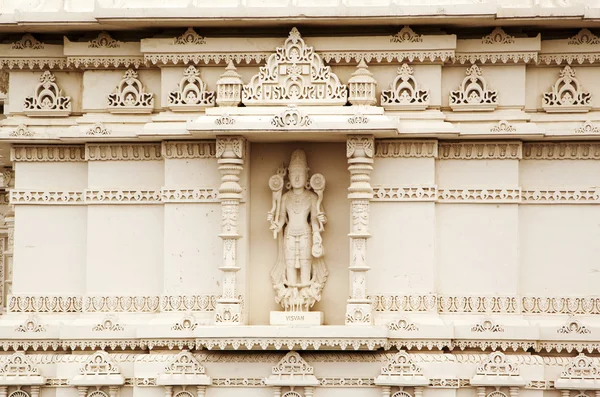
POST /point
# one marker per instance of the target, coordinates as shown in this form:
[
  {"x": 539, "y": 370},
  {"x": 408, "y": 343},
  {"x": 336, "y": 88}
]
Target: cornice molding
[
  {"x": 123, "y": 152},
  {"x": 400, "y": 148},
  {"x": 482, "y": 150},
  {"x": 561, "y": 151},
  {"x": 47, "y": 153}
]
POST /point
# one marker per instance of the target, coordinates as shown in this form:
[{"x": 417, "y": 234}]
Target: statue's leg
[
  {"x": 290, "y": 260},
  {"x": 305, "y": 259}
]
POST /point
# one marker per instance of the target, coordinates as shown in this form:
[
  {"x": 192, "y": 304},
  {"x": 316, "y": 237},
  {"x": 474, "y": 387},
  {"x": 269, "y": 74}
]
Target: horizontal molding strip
[
  {"x": 109, "y": 304},
  {"x": 114, "y": 196},
  {"x": 484, "y": 195},
  {"x": 492, "y": 304},
  {"x": 114, "y": 151}
]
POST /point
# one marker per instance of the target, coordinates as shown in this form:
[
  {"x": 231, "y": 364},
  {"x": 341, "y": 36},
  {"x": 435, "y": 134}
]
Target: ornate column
[
  {"x": 230, "y": 157},
  {"x": 359, "y": 150}
]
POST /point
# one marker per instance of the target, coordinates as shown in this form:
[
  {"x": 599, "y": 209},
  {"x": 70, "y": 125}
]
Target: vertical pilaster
[
  {"x": 35, "y": 391},
  {"x": 7, "y": 271},
  {"x": 201, "y": 391},
  {"x": 386, "y": 391},
  {"x": 230, "y": 157},
  {"x": 113, "y": 391},
  {"x": 359, "y": 150}
]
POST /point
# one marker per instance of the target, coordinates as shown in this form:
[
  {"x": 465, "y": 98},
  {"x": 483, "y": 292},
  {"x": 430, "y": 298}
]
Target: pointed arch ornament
[
  {"x": 580, "y": 373},
  {"x": 130, "y": 96},
  {"x": 404, "y": 92},
  {"x": 184, "y": 370},
  {"x": 567, "y": 95},
  {"x": 292, "y": 371},
  {"x": 400, "y": 371},
  {"x": 473, "y": 94},
  {"x": 295, "y": 74},
  {"x": 191, "y": 94},
  {"x": 47, "y": 99},
  {"x": 17, "y": 370}
]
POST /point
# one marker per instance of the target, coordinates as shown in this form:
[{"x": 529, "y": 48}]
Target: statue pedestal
[{"x": 296, "y": 318}]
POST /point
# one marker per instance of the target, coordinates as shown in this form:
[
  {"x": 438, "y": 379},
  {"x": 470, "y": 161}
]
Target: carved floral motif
[
  {"x": 28, "y": 42},
  {"x": 129, "y": 96},
  {"x": 498, "y": 36},
  {"x": 473, "y": 94},
  {"x": 588, "y": 128},
  {"x": 584, "y": 36},
  {"x": 503, "y": 126},
  {"x": 487, "y": 325},
  {"x": 402, "y": 324},
  {"x": 104, "y": 40},
  {"x": 191, "y": 93},
  {"x": 567, "y": 95},
  {"x": 98, "y": 129},
  {"x": 109, "y": 323},
  {"x": 31, "y": 325},
  {"x": 295, "y": 74},
  {"x": 187, "y": 323},
  {"x": 47, "y": 99},
  {"x": 573, "y": 327},
  {"x": 21, "y": 131},
  {"x": 189, "y": 37},
  {"x": 406, "y": 35},
  {"x": 404, "y": 92},
  {"x": 358, "y": 119},
  {"x": 291, "y": 117}
]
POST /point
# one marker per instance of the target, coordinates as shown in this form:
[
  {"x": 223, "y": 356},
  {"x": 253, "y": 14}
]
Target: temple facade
[{"x": 300, "y": 198}]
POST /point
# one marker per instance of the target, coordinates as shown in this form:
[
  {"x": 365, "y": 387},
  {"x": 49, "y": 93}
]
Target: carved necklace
[{"x": 297, "y": 202}]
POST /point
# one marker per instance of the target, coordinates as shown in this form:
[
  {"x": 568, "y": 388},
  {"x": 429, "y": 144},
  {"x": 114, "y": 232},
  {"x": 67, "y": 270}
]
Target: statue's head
[{"x": 298, "y": 169}]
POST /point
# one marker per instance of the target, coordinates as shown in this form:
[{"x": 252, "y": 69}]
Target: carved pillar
[
  {"x": 35, "y": 391},
  {"x": 168, "y": 391},
  {"x": 359, "y": 150},
  {"x": 113, "y": 391},
  {"x": 201, "y": 391},
  {"x": 230, "y": 157},
  {"x": 3, "y": 391},
  {"x": 386, "y": 391},
  {"x": 308, "y": 391},
  {"x": 480, "y": 391},
  {"x": 513, "y": 391},
  {"x": 418, "y": 391},
  {"x": 82, "y": 390}
]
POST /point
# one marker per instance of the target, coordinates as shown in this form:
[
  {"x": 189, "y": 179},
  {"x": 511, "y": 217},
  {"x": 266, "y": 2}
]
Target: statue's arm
[
  {"x": 314, "y": 215},
  {"x": 280, "y": 221}
]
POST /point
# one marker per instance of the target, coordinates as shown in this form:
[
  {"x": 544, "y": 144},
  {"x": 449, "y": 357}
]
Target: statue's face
[{"x": 298, "y": 177}]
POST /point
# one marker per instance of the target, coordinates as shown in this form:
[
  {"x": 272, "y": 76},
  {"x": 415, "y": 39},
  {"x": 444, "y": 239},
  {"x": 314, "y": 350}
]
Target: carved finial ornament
[
  {"x": 297, "y": 219},
  {"x": 129, "y": 96},
  {"x": 191, "y": 93},
  {"x": 404, "y": 92},
  {"x": 567, "y": 95},
  {"x": 473, "y": 93},
  {"x": 295, "y": 74},
  {"x": 229, "y": 87},
  {"x": 362, "y": 86},
  {"x": 47, "y": 99}
]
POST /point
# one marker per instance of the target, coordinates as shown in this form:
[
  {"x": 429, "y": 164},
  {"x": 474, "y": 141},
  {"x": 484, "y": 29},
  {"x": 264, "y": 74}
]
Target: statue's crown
[{"x": 298, "y": 159}]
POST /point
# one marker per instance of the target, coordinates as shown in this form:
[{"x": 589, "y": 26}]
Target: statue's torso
[{"x": 297, "y": 207}]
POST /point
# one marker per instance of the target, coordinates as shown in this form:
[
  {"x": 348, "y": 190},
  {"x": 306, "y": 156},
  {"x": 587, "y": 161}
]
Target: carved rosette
[
  {"x": 229, "y": 87},
  {"x": 405, "y": 93},
  {"x": 47, "y": 99},
  {"x": 295, "y": 74},
  {"x": 359, "y": 150},
  {"x": 129, "y": 96},
  {"x": 362, "y": 86},
  {"x": 473, "y": 94},
  {"x": 191, "y": 93},
  {"x": 230, "y": 157},
  {"x": 567, "y": 95}
]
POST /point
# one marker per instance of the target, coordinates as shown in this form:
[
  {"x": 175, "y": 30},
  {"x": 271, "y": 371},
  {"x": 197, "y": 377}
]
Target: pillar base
[
  {"x": 228, "y": 313},
  {"x": 359, "y": 313}
]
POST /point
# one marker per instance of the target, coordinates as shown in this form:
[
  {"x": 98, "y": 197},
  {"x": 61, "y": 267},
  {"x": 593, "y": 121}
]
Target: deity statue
[{"x": 297, "y": 220}]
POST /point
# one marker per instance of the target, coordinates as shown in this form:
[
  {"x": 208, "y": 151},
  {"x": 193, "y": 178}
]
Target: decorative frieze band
[
  {"x": 418, "y": 193},
  {"x": 32, "y": 153},
  {"x": 189, "y": 149},
  {"x": 479, "y": 195},
  {"x": 130, "y": 151},
  {"x": 561, "y": 151},
  {"x": 480, "y": 150},
  {"x": 558, "y": 196},
  {"x": 509, "y": 304},
  {"x": 395, "y": 148},
  {"x": 114, "y": 196},
  {"x": 102, "y": 304}
]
